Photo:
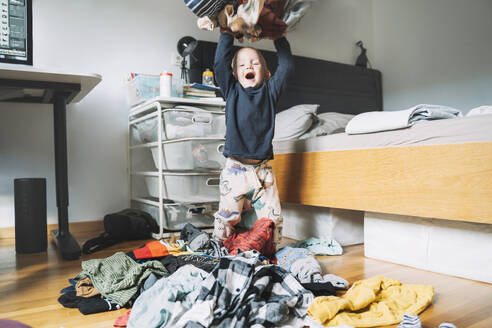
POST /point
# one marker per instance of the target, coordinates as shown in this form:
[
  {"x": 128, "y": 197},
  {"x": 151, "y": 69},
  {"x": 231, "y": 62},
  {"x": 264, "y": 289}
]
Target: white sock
[
  {"x": 410, "y": 321},
  {"x": 446, "y": 325}
]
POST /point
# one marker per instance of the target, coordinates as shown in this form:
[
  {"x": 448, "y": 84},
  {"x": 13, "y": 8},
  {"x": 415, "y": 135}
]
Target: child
[{"x": 252, "y": 96}]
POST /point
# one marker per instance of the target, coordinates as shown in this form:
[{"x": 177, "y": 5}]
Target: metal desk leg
[{"x": 66, "y": 243}]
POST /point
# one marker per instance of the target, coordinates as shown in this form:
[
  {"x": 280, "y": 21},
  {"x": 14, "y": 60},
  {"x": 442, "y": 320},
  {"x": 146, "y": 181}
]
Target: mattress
[{"x": 447, "y": 131}]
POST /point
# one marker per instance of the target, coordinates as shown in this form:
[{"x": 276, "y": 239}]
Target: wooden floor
[{"x": 31, "y": 284}]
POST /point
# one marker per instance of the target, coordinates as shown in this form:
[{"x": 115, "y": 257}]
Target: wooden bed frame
[{"x": 452, "y": 182}]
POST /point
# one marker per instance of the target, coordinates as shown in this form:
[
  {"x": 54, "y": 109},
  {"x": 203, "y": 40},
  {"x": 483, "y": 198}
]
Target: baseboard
[{"x": 74, "y": 227}]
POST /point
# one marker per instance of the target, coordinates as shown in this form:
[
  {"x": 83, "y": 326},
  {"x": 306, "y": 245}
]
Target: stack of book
[{"x": 197, "y": 90}]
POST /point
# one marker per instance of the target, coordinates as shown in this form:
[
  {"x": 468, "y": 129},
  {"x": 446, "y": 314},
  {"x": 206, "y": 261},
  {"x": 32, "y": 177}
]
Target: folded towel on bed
[{"x": 392, "y": 120}]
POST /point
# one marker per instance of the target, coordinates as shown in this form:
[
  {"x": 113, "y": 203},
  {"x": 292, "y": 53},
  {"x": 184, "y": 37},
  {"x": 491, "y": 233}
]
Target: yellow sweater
[{"x": 383, "y": 301}]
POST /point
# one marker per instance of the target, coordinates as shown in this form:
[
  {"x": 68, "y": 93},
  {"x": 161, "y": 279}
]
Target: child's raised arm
[
  {"x": 222, "y": 63},
  {"x": 285, "y": 66}
]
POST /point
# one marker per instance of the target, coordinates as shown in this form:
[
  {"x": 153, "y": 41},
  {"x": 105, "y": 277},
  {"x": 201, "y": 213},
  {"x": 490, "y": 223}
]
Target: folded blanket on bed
[{"x": 392, "y": 120}]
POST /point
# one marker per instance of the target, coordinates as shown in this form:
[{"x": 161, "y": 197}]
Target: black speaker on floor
[{"x": 30, "y": 215}]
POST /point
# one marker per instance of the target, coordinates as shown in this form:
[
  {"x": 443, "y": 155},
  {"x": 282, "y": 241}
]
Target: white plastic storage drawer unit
[
  {"x": 183, "y": 122},
  {"x": 186, "y": 187},
  {"x": 176, "y": 147},
  {"x": 190, "y": 154}
]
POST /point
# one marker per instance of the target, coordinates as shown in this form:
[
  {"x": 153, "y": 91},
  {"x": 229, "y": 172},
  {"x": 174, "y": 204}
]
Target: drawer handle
[
  {"x": 198, "y": 119},
  {"x": 196, "y": 211},
  {"x": 212, "y": 182},
  {"x": 220, "y": 148}
]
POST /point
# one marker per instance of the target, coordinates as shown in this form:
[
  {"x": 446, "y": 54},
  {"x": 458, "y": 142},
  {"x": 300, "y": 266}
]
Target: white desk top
[{"x": 87, "y": 81}]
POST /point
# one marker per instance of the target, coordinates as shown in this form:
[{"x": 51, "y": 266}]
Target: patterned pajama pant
[{"x": 243, "y": 186}]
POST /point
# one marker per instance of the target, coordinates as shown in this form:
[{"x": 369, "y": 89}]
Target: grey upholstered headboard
[{"x": 335, "y": 87}]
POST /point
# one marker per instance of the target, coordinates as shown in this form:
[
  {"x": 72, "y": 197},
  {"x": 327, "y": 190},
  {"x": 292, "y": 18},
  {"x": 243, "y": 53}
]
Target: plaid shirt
[{"x": 240, "y": 292}]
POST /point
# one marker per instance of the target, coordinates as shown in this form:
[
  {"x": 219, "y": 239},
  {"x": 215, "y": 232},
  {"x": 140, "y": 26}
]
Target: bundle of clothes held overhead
[
  {"x": 250, "y": 19},
  {"x": 197, "y": 281}
]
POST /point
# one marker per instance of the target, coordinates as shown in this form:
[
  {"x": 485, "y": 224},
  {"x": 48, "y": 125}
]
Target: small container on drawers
[
  {"x": 186, "y": 187},
  {"x": 141, "y": 88},
  {"x": 190, "y": 154},
  {"x": 183, "y": 122},
  {"x": 176, "y": 216}
]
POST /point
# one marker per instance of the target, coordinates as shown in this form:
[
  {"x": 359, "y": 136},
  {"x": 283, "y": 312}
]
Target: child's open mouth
[{"x": 250, "y": 76}]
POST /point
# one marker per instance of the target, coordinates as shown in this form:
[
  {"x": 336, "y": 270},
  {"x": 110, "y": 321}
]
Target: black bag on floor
[{"x": 128, "y": 224}]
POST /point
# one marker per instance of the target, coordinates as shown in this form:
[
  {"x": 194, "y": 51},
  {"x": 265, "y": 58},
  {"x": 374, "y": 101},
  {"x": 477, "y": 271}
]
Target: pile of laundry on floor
[{"x": 197, "y": 281}]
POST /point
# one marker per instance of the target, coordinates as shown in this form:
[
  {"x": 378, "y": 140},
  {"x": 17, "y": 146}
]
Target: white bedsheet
[{"x": 458, "y": 130}]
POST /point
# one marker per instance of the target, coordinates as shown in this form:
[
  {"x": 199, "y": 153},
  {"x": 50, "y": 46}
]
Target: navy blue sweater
[{"x": 250, "y": 112}]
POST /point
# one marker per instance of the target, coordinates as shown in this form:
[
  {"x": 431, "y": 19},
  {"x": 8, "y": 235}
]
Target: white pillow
[
  {"x": 328, "y": 123},
  {"x": 482, "y": 110},
  {"x": 293, "y": 122}
]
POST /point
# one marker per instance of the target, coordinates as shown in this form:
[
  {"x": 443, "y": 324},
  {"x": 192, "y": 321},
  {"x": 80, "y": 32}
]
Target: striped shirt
[{"x": 210, "y": 8}]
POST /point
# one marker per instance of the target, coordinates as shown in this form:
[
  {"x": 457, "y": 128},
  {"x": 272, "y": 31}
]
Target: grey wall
[
  {"x": 434, "y": 51},
  {"x": 113, "y": 38}
]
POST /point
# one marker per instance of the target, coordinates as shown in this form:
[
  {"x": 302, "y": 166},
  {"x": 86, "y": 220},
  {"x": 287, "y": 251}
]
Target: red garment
[
  {"x": 273, "y": 27},
  {"x": 259, "y": 238},
  {"x": 155, "y": 248},
  {"x": 150, "y": 250}
]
